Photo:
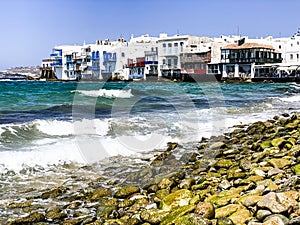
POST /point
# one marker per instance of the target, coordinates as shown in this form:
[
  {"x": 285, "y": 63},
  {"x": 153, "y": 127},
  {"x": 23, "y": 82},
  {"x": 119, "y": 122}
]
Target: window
[
  {"x": 297, "y": 56},
  {"x": 164, "y": 48},
  {"x": 123, "y": 54},
  {"x": 291, "y": 56},
  {"x": 170, "y": 48},
  {"x": 169, "y": 62},
  {"x": 279, "y": 46},
  {"x": 181, "y": 46},
  {"x": 175, "y": 62},
  {"x": 164, "y": 62}
]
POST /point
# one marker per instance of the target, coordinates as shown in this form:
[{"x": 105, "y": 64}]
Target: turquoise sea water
[{"x": 45, "y": 123}]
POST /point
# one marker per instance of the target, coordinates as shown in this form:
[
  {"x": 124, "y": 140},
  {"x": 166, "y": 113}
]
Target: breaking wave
[{"x": 106, "y": 93}]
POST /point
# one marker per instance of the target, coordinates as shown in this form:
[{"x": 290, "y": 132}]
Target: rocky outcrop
[{"x": 247, "y": 176}]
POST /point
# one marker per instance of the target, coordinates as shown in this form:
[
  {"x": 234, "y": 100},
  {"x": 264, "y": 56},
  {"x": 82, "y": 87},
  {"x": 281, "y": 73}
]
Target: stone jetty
[{"x": 247, "y": 176}]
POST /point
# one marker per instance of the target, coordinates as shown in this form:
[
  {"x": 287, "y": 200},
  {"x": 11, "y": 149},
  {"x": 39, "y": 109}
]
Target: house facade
[{"x": 238, "y": 60}]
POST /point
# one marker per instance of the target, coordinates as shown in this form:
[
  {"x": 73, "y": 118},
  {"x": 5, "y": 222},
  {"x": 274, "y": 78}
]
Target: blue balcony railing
[
  {"x": 56, "y": 64},
  {"x": 151, "y": 62},
  {"x": 94, "y": 68},
  {"x": 53, "y": 54},
  {"x": 109, "y": 57}
]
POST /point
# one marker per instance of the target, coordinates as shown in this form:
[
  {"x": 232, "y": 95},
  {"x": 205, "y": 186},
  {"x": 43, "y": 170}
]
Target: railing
[
  {"x": 151, "y": 62},
  {"x": 56, "y": 64},
  {"x": 94, "y": 68}
]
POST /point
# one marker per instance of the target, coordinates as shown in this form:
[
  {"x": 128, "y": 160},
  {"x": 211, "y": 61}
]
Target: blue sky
[{"x": 30, "y": 28}]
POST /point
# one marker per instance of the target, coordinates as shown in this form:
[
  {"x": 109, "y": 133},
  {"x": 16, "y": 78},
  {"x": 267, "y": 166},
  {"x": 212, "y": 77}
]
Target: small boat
[{"x": 11, "y": 77}]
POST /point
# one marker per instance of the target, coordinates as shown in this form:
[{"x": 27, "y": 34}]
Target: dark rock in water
[
  {"x": 126, "y": 191},
  {"x": 224, "y": 221},
  {"x": 21, "y": 204},
  {"x": 53, "y": 193},
  {"x": 153, "y": 188},
  {"x": 103, "y": 212},
  {"x": 55, "y": 214},
  {"x": 171, "y": 146},
  {"x": 285, "y": 114},
  {"x": 98, "y": 194},
  {"x": 30, "y": 219},
  {"x": 76, "y": 221}
]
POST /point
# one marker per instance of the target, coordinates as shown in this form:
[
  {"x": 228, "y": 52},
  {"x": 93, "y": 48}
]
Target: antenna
[{"x": 238, "y": 30}]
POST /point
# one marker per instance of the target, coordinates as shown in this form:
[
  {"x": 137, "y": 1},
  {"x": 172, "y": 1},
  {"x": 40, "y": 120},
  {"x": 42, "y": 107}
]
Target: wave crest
[{"x": 107, "y": 93}]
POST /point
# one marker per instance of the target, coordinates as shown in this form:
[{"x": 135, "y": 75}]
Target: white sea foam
[
  {"x": 107, "y": 93},
  {"x": 61, "y": 128},
  {"x": 42, "y": 155},
  {"x": 294, "y": 98}
]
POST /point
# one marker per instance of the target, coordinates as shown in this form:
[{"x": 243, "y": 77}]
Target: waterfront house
[{"x": 238, "y": 60}]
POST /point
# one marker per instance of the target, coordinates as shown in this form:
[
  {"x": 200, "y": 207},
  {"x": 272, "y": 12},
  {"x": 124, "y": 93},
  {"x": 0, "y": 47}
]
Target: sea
[{"x": 53, "y": 131}]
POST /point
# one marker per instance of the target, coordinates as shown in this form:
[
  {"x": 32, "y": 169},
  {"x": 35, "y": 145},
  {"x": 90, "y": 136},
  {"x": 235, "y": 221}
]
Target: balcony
[
  {"x": 151, "y": 62},
  {"x": 94, "y": 68},
  {"x": 56, "y": 64},
  {"x": 53, "y": 54}
]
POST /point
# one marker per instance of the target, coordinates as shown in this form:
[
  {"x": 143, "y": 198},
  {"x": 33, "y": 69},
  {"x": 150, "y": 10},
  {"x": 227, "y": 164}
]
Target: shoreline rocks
[{"x": 247, "y": 176}]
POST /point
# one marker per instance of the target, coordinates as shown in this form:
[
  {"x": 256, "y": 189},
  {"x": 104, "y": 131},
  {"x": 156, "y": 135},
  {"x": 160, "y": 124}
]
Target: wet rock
[
  {"x": 98, "y": 194},
  {"x": 240, "y": 216},
  {"x": 278, "y": 203},
  {"x": 280, "y": 163},
  {"x": 274, "y": 171},
  {"x": 223, "y": 163},
  {"x": 23, "y": 204},
  {"x": 296, "y": 169},
  {"x": 152, "y": 188},
  {"x": 176, "y": 213},
  {"x": 126, "y": 191},
  {"x": 166, "y": 183},
  {"x": 186, "y": 183},
  {"x": 245, "y": 164},
  {"x": 126, "y": 203},
  {"x": 205, "y": 209},
  {"x": 262, "y": 214},
  {"x": 250, "y": 200},
  {"x": 266, "y": 144},
  {"x": 30, "y": 219},
  {"x": 278, "y": 142},
  {"x": 103, "y": 212},
  {"x": 153, "y": 216},
  {"x": 178, "y": 198},
  {"x": 224, "y": 185},
  {"x": 276, "y": 219},
  {"x": 76, "y": 221},
  {"x": 53, "y": 193},
  {"x": 224, "y": 221},
  {"x": 192, "y": 219},
  {"x": 55, "y": 213}
]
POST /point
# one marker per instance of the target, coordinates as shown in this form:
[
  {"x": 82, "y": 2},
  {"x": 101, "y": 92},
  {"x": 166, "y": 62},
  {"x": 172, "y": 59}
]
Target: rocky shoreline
[{"x": 248, "y": 176}]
